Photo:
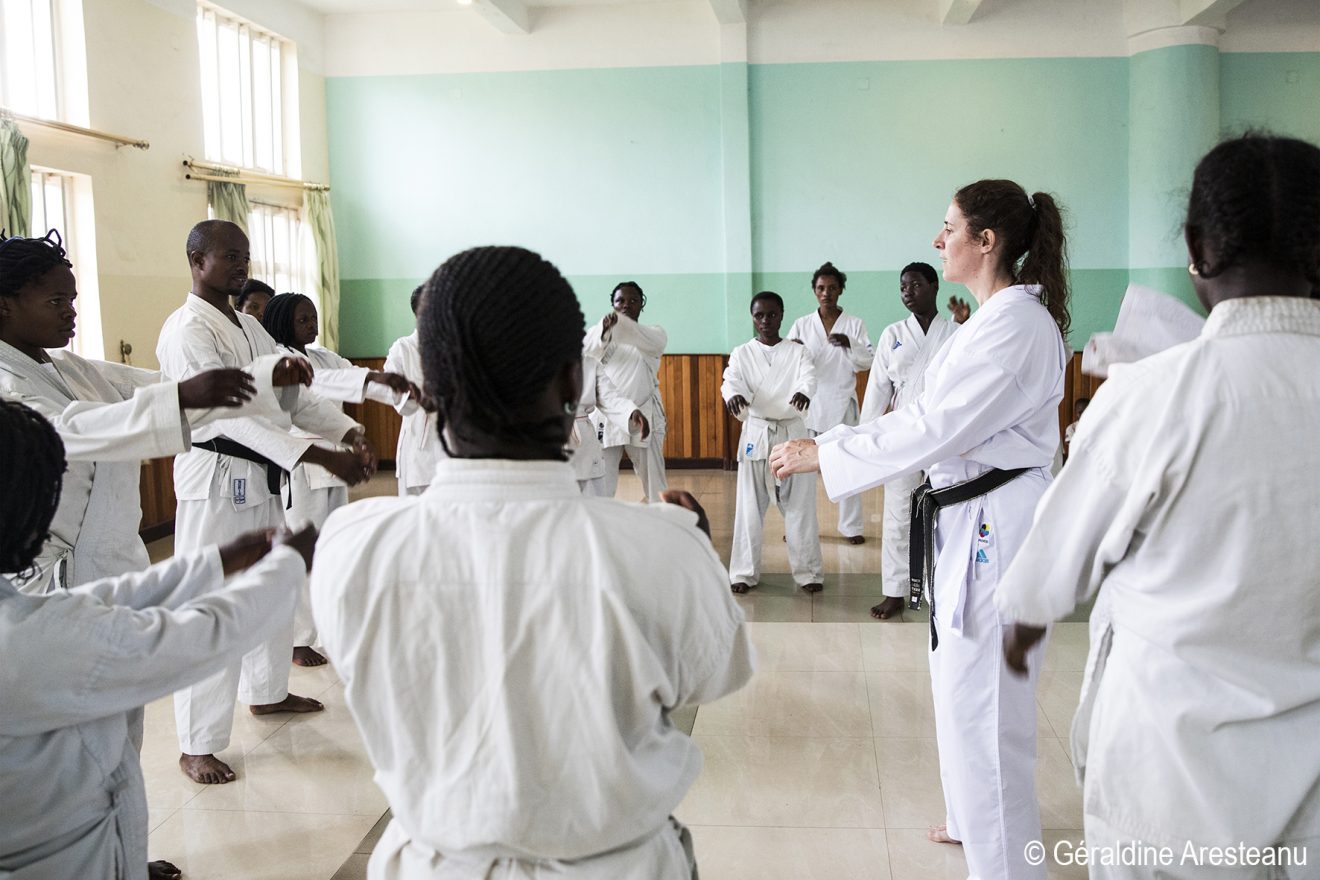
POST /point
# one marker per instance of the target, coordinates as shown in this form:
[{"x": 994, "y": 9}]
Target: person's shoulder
[
  {"x": 667, "y": 526},
  {"x": 356, "y": 522}
]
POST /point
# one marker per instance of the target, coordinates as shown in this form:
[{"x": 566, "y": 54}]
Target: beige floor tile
[
  {"x": 898, "y": 646},
  {"x": 1057, "y": 693},
  {"x": 1056, "y": 787},
  {"x": 725, "y": 853},
  {"x": 685, "y": 718},
  {"x": 909, "y": 773},
  {"x": 770, "y": 608},
  {"x": 353, "y": 869},
  {"x": 785, "y": 781},
  {"x": 228, "y": 845},
  {"x": 913, "y": 857},
  {"x": 832, "y": 607},
  {"x": 368, "y": 843},
  {"x": 314, "y": 764},
  {"x": 1053, "y": 869},
  {"x": 1067, "y": 649},
  {"x": 853, "y": 584},
  {"x": 901, "y": 704},
  {"x": 817, "y": 704},
  {"x": 794, "y": 647},
  {"x": 156, "y": 817}
]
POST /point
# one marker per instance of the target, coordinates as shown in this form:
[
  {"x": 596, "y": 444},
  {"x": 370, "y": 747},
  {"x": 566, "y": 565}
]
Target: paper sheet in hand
[{"x": 1148, "y": 322}]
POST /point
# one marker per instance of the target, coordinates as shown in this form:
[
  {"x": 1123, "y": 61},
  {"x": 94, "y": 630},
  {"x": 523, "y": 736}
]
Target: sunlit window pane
[{"x": 29, "y": 58}]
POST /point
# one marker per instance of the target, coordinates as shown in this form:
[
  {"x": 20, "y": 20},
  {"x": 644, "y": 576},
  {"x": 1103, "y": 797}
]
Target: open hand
[
  {"x": 841, "y": 340},
  {"x": 800, "y": 401},
  {"x": 303, "y": 541},
  {"x": 686, "y": 499},
  {"x": 1017, "y": 642},
  {"x": 292, "y": 371},
  {"x": 735, "y": 404},
  {"x": 610, "y": 319},
  {"x": 959, "y": 309},
  {"x": 794, "y": 457},
  {"x": 216, "y": 388}
]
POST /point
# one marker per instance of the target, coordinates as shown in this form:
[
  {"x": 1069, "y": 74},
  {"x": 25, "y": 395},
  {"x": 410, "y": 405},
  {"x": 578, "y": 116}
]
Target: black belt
[
  {"x": 926, "y": 502},
  {"x": 225, "y": 446}
]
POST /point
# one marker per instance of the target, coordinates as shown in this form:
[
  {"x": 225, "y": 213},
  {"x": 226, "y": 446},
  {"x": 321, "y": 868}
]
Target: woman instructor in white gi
[{"x": 989, "y": 412}]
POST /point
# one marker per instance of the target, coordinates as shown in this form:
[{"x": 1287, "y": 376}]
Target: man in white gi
[
  {"x": 768, "y": 384},
  {"x": 897, "y": 378},
  {"x": 230, "y": 483},
  {"x": 840, "y": 349},
  {"x": 78, "y": 662},
  {"x": 588, "y": 456},
  {"x": 632, "y": 414},
  {"x": 985, "y": 430},
  {"x": 1189, "y": 502},
  {"x": 510, "y": 653},
  {"x": 419, "y": 446}
]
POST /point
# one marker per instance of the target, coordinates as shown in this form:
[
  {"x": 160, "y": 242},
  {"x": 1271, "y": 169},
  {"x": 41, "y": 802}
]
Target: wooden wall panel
[
  {"x": 156, "y": 486},
  {"x": 382, "y": 422}
]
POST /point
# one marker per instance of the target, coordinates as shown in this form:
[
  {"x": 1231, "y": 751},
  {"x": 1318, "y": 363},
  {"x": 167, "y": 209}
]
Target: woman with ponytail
[{"x": 985, "y": 431}]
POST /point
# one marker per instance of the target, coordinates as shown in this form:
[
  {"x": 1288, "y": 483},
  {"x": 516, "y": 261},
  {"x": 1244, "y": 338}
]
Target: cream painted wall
[{"x": 143, "y": 82}]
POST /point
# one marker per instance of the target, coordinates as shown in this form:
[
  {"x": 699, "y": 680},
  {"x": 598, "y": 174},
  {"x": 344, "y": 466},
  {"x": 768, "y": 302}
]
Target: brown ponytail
[{"x": 1026, "y": 227}]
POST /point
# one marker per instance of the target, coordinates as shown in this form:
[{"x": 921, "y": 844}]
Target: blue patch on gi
[
  {"x": 750, "y": 447},
  {"x": 897, "y": 344},
  {"x": 981, "y": 557}
]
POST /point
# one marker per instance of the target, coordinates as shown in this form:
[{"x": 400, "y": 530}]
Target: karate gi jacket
[
  {"x": 836, "y": 367},
  {"x": 629, "y": 356},
  {"x": 76, "y": 663},
  {"x": 767, "y": 380},
  {"x": 512, "y": 664},
  {"x": 903, "y": 354},
  {"x": 419, "y": 446},
  {"x": 1189, "y": 502}
]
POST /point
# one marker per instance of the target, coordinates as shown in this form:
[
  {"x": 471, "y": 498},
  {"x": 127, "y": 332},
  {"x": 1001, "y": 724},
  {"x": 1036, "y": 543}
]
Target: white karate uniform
[
  {"x": 419, "y": 440},
  {"x": 767, "y": 377},
  {"x": 221, "y": 497},
  {"x": 629, "y": 356},
  {"x": 1189, "y": 501},
  {"x": 991, "y": 401},
  {"x": 314, "y": 492},
  {"x": 897, "y": 378},
  {"x": 512, "y": 663},
  {"x": 587, "y": 455},
  {"x": 835, "y": 401},
  {"x": 76, "y": 663}
]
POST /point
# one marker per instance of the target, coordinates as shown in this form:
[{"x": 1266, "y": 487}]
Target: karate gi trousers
[
  {"x": 850, "y": 508},
  {"x": 796, "y": 498}
]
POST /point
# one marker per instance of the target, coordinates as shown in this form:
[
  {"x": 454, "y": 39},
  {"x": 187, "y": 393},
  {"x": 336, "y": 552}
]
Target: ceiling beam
[
  {"x": 506, "y": 16},
  {"x": 729, "y": 11},
  {"x": 1207, "y": 12},
  {"x": 957, "y": 11}
]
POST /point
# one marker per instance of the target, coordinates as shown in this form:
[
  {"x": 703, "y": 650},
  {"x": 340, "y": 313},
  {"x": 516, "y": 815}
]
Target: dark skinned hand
[
  {"x": 800, "y": 401},
  {"x": 1017, "y": 642},
  {"x": 686, "y": 499},
  {"x": 303, "y": 541},
  {"x": 245, "y": 550},
  {"x": 292, "y": 371},
  {"x": 215, "y": 389},
  {"x": 841, "y": 340},
  {"x": 735, "y": 404},
  {"x": 609, "y": 321},
  {"x": 959, "y": 309},
  {"x": 396, "y": 382},
  {"x": 348, "y": 465},
  {"x": 638, "y": 422}
]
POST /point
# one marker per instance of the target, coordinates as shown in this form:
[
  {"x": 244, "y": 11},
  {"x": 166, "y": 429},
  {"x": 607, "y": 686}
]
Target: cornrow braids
[
  {"x": 31, "y": 476},
  {"x": 485, "y": 366},
  {"x": 278, "y": 317},
  {"x": 829, "y": 268},
  {"x": 1257, "y": 197},
  {"x": 23, "y": 260}
]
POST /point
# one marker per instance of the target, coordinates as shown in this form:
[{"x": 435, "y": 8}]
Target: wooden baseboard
[{"x": 156, "y": 532}]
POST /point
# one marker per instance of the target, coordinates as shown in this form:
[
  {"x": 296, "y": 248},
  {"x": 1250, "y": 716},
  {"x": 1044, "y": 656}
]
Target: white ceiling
[{"x": 331, "y": 7}]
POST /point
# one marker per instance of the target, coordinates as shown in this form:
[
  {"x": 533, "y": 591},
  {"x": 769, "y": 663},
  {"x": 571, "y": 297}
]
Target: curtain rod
[
  {"x": 242, "y": 175},
  {"x": 297, "y": 184},
  {"x": 117, "y": 140}
]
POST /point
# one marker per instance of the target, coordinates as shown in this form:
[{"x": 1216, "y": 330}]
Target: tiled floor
[{"x": 825, "y": 766}]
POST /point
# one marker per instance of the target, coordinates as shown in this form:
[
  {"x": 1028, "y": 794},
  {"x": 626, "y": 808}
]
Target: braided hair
[
  {"x": 485, "y": 367},
  {"x": 1033, "y": 248},
  {"x": 24, "y": 260},
  {"x": 278, "y": 317},
  {"x": 31, "y": 476},
  {"x": 1257, "y": 197}
]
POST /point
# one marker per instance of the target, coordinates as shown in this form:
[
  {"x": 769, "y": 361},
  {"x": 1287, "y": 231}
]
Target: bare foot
[
  {"x": 291, "y": 703},
  {"x": 940, "y": 834},
  {"x": 813, "y": 588},
  {"x": 306, "y": 656},
  {"x": 739, "y": 587},
  {"x": 162, "y": 870},
  {"x": 856, "y": 539},
  {"x": 206, "y": 769},
  {"x": 888, "y": 609}
]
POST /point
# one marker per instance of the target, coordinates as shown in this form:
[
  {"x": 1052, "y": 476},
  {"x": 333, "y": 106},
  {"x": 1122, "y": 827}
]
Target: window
[
  {"x": 28, "y": 72},
  {"x": 282, "y": 249},
  {"x": 249, "y": 94},
  {"x": 63, "y": 202}
]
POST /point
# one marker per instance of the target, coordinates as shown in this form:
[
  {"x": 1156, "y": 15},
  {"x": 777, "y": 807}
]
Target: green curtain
[
  {"x": 322, "y": 223},
  {"x": 228, "y": 201},
  {"x": 15, "y": 181}
]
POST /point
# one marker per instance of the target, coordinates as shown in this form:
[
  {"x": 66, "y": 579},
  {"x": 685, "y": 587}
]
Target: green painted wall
[{"x": 631, "y": 173}]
